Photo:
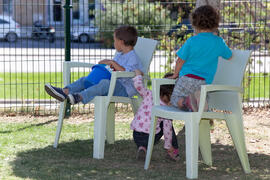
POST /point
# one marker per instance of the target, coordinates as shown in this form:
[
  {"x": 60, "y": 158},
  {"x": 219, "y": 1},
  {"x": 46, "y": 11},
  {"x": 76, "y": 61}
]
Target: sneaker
[
  {"x": 74, "y": 98},
  {"x": 141, "y": 153},
  {"x": 173, "y": 154},
  {"x": 55, "y": 92}
]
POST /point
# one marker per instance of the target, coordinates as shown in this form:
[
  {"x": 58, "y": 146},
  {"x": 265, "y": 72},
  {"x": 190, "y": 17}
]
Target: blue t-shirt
[
  {"x": 130, "y": 61},
  {"x": 201, "y": 53}
]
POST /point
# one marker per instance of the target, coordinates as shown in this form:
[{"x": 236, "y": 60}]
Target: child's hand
[
  {"x": 138, "y": 72},
  {"x": 108, "y": 62},
  {"x": 174, "y": 76}
]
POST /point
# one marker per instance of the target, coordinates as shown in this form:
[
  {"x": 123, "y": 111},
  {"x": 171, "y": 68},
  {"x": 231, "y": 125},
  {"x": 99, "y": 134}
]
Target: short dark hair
[
  {"x": 166, "y": 90},
  {"x": 205, "y": 17},
  {"x": 128, "y": 34}
]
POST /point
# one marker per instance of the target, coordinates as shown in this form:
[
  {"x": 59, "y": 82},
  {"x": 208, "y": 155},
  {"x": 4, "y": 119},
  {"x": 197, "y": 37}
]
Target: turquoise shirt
[{"x": 200, "y": 53}]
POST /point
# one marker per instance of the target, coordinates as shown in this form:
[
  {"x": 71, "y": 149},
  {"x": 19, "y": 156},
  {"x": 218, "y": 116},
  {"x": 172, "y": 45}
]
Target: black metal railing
[{"x": 32, "y": 54}]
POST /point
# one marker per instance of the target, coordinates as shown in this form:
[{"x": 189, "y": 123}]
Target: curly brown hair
[
  {"x": 128, "y": 34},
  {"x": 166, "y": 90},
  {"x": 205, "y": 18}
]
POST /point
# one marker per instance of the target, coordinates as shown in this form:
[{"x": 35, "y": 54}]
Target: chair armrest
[
  {"x": 122, "y": 74},
  {"x": 156, "y": 83},
  {"x": 209, "y": 88},
  {"x": 67, "y": 65},
  {"x": 212, "y": 88},
  {"x": 70, "y": 64}
]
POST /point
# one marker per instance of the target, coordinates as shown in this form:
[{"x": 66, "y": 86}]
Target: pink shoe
[
  {"x": 173, "y": 154},
  {"x": 141, "y": 153}
]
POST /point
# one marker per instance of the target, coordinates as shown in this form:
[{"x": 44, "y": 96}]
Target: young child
[
  {"x": 125, "y": 38},
  {"x": 142, "y": 120},
  {"x": 198, "y": 59}
]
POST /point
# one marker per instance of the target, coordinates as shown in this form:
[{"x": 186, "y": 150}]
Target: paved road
[{"x": 42, "y": 56}]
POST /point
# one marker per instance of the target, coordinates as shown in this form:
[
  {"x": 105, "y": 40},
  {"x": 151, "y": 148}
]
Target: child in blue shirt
[
  {"x": 125, "y": 38},
  {"x": 198, "y": 59}
]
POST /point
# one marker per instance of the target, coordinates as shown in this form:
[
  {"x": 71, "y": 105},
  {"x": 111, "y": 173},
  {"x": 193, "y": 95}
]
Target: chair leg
[
  {"x": 205, "y": 142},
  {"x": 110, "y": 127},
  {"x": 99, "y": 127},
  {"x": 192, "y": 148},
  {"x": 235, "y": 126},
  {"x": 151, "y": 140},
  {"x": 60, "y": 123}
]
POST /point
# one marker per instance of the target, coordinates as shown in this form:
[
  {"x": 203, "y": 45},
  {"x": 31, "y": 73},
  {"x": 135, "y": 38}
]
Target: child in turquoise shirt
[{"x": 198, "y": 59}]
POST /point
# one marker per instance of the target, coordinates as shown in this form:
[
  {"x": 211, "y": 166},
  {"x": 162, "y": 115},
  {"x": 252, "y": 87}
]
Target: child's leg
[
  {"x": 141, "y": 138},
  {"x": 174, "y": 139},
  {"x": 75, "y": 87},
  {"x": 101, "y": 89},
  {"x": 184, "y": 87}
]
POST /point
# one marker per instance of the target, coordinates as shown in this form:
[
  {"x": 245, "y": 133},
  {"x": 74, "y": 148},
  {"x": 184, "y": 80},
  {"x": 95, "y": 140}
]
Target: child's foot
[
  {"x": 141, "y": 153},
  {"x": 74, "y": 98},
  {"x": 191, "y": 103},
  {"x": 173, "y": 154},
  {"x": 55, "y": 92}
]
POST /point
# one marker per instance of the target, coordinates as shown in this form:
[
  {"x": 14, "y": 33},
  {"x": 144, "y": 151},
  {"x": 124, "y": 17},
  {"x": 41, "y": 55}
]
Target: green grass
[
  {"x": 31, "y": 85},
  {"x": 26, "y": 152}
]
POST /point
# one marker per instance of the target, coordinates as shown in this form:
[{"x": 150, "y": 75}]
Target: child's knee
[{"x": 104, "y": 85}]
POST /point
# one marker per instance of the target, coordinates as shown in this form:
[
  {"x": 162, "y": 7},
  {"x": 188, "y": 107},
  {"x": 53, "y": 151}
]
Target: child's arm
[
  {"x": 139, "y": 86},
  {"x": 178, "y": 67},
  {"x": 114, "y": 65}
]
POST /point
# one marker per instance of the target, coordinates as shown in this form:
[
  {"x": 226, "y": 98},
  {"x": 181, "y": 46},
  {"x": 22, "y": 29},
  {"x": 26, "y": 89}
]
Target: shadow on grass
[
  {"x": 30, "y": 126},
  {"x": 73, "y": 160}
]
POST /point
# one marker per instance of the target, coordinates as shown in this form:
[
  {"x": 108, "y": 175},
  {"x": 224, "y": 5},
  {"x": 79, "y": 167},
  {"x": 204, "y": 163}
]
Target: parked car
[
  {"x": 84, "y": 34},
  {"x": 40, "y": 31},
  {"x": 9, "y": 29}
]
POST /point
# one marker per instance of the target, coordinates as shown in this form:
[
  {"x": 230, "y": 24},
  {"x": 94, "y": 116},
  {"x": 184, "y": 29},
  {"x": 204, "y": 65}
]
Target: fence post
[{"x": 67, "y": 38}]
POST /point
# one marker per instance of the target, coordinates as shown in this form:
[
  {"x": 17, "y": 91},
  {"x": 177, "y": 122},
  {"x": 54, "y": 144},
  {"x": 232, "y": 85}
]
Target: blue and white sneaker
[
  {"x": 55, "y": 92},
  {"x": 74, "y": 98}
]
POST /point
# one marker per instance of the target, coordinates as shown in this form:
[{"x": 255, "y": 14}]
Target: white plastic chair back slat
[
  {"x": 229, "y": 73},
  {"x": 144, "y": 48},
  {"x": 236, "y": 66}
]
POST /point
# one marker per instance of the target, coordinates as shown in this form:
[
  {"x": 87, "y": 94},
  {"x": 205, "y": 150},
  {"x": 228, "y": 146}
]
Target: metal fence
[{"x": 32, "y": 46}]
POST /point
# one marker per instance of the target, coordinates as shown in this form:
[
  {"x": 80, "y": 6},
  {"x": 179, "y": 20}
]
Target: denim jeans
[
  {"x": 100, "y": 89},
  {"x": 141, "y": 138}
]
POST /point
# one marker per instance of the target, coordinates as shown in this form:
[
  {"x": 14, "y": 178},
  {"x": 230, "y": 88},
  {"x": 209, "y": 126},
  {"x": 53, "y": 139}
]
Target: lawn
[
  {"x": 26, "y": 151},
  {"x": 31, "y": 85}
]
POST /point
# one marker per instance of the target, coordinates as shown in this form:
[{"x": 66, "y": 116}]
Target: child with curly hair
[{"x": 197, "y": 60}]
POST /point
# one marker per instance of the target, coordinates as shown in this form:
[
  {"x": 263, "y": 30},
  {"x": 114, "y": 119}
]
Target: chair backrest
[
  {"x": 145, "y": 48},
  {"x": 231, "y": 72}
]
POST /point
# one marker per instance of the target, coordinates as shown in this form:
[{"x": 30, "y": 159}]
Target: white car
[
  {"x": 84, "y": 34},
  {"x": 9, "y": 29}
]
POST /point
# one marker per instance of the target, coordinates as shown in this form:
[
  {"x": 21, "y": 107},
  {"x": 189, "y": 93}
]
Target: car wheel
[
  {"x": 83, "y": 38},
  {"x": 11, "y": 37}
]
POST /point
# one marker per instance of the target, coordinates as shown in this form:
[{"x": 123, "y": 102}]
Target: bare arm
[
  {"x": 178, "y": 67},
  {"x": 114, "y": 65}
]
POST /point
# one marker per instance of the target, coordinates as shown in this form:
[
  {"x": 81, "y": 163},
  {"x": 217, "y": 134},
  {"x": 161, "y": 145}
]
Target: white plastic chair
[
  {"x": 105, "y": 105},
  {"x": 224, "y": 94}
]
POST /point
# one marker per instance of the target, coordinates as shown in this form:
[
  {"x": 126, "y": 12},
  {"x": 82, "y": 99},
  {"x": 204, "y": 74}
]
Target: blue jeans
[{"x": 100, "y": 89}]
